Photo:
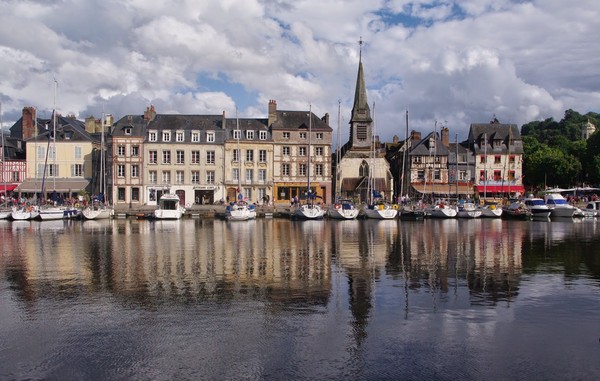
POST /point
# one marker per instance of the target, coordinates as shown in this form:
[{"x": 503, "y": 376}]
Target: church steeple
[{"x": 361, "y": 121}]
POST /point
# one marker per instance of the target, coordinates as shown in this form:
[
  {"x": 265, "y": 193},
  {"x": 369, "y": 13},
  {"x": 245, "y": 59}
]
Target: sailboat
[
  {"x": 5, "y": 211},
  {"x": 408, "y": 210},
  {"x": 52, "y": 211},
  {"x": 99, "y": 208},
  {"x": 239, "y": 210},
  {"x": 377, "y": 207},
  {"x": 310, "y": 210},
  {"x": 343, "y": 209}
]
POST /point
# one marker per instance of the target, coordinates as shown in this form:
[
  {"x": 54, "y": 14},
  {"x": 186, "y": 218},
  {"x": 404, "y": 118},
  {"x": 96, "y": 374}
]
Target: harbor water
[{"x": 276, "y": 299}]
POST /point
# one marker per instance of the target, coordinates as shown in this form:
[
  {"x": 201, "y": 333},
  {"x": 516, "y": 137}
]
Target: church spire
[{"x": 360, "y": 110}]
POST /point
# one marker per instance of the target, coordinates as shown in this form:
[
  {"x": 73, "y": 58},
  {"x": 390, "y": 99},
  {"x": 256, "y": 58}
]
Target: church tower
[{"x": 361, "y": 123}]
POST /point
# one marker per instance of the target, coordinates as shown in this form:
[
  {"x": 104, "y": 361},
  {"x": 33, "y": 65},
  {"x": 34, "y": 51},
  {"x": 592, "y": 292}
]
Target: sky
[{"x": 449, "y": 63}]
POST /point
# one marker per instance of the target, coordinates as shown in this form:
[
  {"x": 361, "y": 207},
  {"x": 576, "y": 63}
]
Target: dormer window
[
  {"x": 127, "y": 131},
  {"x": 166, "y": 136},
  {"x": 249, "y": 135},
  {"x": 237, "y": 134}
]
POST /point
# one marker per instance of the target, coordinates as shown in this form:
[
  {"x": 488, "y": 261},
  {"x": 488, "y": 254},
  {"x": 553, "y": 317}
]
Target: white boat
[
  {"x": 49, "y": 212},
  {"x": 240, "y": 211},
  {"x": 517, "y": 210},
  {"x": 24, "y": 212},
  {"x": 591, "y": 210},
  {"x": 309, "y": 211},
  {"x": 468, "y": 210},
  {"x": 97, "y": 211},
  {"x": 5, "y": 214},
  {"x": 169, "y": 207},
  {"x": 537, "y": 207},
  {"x": 343, "y": 210},
  {"x": 381, "y": 210},
  {"x": 411, "y": 212},
  {"x": 559, "y": 206},
  {"x": 441, "y": 210},
  {"x": 491, "y": 211}
]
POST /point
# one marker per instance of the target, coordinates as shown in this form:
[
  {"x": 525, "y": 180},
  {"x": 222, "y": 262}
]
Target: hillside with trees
[{"x": 556, "y": 154}]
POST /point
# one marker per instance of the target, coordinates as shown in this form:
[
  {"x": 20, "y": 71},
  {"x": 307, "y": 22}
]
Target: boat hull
[
  {"x": 97, "y": 214},
  {"x": 309, "y": 212}
]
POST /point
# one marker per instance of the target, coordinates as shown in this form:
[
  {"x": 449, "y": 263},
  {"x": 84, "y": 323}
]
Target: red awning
[
  {"x": 9, "y": 187},
  {"x": 500, "y": 189}
]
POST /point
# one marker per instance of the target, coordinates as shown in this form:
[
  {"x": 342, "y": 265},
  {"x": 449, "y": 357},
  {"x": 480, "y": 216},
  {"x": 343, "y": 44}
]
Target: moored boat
[
  {"x": 381, "y": 210},
  {"x": 559, "y": 206},
  {"x": 240, "y": 211},
  {"x": 169, "y": 207},
  {"x": 441, "y": 210},
  {"x": 537, "y": 207},
  {"x": 517, "y": 210},
  {"x": 343, "y": 210},
  {"x": 468, "y": 210}
]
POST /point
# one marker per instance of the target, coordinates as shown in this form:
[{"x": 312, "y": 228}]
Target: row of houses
[{"x": 207, "y": 159}]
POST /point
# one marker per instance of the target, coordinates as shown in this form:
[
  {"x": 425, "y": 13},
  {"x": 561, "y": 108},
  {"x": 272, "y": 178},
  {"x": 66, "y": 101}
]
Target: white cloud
[{"x": 456, "y": 62}]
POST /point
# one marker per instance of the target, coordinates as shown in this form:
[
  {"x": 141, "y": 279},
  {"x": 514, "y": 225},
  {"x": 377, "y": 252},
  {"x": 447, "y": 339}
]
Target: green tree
[{"x": 551, "y": 166}]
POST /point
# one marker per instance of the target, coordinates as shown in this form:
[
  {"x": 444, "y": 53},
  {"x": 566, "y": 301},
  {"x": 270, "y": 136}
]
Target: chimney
[
  {"x": 415, "y": 135},
  {"x": 149, "y": 114},
  {"x": 223, "y": 121},
  {"x": 445, "y": 137},
  {"x": 326, "y": 118},
  {"x": 272, "y": 112},
  {"x": 28, "y": 123}
]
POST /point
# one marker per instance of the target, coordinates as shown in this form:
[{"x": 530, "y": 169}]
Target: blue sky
[{"x": 454, "y": 62}]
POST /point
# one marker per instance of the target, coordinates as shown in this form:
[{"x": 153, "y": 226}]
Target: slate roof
[
  {"x": 298, "y": 120},
  {"x": 422, "y": 147},
  {"x": 505, "y": 133}
]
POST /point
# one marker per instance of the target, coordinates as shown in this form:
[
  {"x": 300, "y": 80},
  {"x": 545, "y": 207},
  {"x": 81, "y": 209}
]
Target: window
[
  {"x": 286, "y": 135},
  {"x": 262, "y": 135},
  {"x": 179, "y": 178},
  {"x": 195, "y": 157},
  {"x": 364, "y": 169},
  {"x": 135, "y": 194},
  {"x": 285, "y": 151},
  {"x": 77, "y": 170},
  {"x": 52, "y": 153},
  {"x": 210, "y": 177},
  {"x": 180, "y": 136},
  {"x": 416, "y": 159},
  {"x": 235, "y": 174},
  {"x": 121, "y": 170},
  {"x": 152, "y": 157},
  {"x": 15, "y": 177},
  {"x": 302, "y": 151},
  {"x": 421, "y": 175},
  {"x": 121, "y": 194},
  {"x": 319, "y": 135},
  {"x": 319, "y": 169},
  {"x": 152, "y": 178},
  {"x": 210, "y": 137},
  {"x": 236, "y": 155},
  {"x": 303, "y": 135},
  {"x": 249, "y": 175},
  {"x": 497, "y": 160},
  {"x": 166, "y": 136},
  {"x": 127, "y": 130},
  {"x": 237, "y": 134},
  {"x": 166, "y": 177},
  {"x": 77, "y": 152},
  {"x": 482, "y": 176},
  {"x": 41, "y": 152},
  {"x": 497, "y": 175},
  {"x": 135, "y": 171},
  {"x": 248, "y": 193},
  {"x": 180, "y": 157},
  {"x": 361, "y": 133},
  {"x": 166, "y": 157},
  {"x": 511, "y": 159},
  {"x": 249, "y": 135},
  {"x": 135, "y": 151},
  {"x": 195, "y": 177},
  {"x": 250, "y": 155},
  {"x": 482, "y": 159},
  {"x": 262, "y": 155},
  {"x": 285, "y": 169},
  {"x": 152, "y": 136},
  {"x": 195, "y": 137},
  {"x": 511, "y": 175},
  {"x": 210, "y": 157},
  {"x": 437, "y": 174},
  {"x": 262, "y": 175},
  {"x": 302, "y": 169},
  {"x": 319, "y": 151}
]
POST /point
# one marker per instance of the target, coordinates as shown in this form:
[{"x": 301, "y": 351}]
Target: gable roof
[{"x": 422, "y": 147}]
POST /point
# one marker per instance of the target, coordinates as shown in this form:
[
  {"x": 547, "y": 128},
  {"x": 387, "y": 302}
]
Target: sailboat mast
[
  {"x": 309, "y": 145},
  {"x": 338, "y": 153},
  {"x": 238, "y": 133},
  {"x": 102, "y": 175},
  {"x": 485, "y": 167},
  {"x": 3, "y": 159},
  {"x": 404, "y": 153},
  {"x": 54, "y": 137}
]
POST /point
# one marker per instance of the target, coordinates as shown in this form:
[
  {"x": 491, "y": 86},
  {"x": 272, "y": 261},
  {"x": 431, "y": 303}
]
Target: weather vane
[{"x": 360, "y": 42}]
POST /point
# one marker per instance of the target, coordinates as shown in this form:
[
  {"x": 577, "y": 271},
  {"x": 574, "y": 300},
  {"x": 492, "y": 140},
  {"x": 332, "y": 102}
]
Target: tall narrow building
[{"x": 362, "y": 164}]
